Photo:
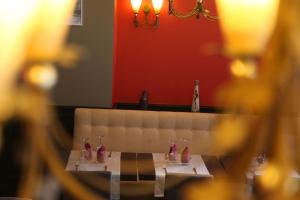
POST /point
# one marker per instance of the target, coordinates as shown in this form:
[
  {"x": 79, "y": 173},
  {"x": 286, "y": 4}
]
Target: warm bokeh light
[
  {"x": 44, "y": 76},
  {"x": 136, "y": 4},
  {"x": 247, "y": 24},
  {"x": 271, "y": 176},
  {"x": 229, "y": 134},
  {"x": 157, "y": 4},
  {"x": 243, "y": 68}
]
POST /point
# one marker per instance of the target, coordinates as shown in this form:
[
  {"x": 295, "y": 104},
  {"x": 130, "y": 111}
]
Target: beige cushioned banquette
[{"x": 143, "y": 131}]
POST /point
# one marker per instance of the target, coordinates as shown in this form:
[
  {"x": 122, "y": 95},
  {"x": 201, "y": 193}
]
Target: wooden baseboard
[{"x": 161, "y": 107}]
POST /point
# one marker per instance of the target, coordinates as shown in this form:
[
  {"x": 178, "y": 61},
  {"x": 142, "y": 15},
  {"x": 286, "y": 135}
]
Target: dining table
[
  {"x": 256, "y": 169},
  {"x": 76, "y": 162},
  {"x": 131, "y": 166}
]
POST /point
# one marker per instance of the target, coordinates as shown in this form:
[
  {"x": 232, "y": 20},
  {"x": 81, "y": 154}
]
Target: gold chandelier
[{"x": 196, "y": 11}]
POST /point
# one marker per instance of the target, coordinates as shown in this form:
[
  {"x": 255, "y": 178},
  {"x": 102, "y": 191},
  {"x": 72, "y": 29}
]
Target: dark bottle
[{"x": 143, "y": 104}]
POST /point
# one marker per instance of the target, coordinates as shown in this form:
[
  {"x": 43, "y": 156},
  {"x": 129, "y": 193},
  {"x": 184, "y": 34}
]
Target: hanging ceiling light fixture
[{"x": 196, "y": 11}]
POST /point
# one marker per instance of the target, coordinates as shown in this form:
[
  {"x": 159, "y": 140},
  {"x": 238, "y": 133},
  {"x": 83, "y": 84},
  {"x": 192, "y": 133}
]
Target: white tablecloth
[
  {"x": 111, "y": 164},
  {"x": 163, "y": 166}
]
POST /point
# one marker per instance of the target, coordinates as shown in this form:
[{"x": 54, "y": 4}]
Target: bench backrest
[{"x": 143, "y": 131}]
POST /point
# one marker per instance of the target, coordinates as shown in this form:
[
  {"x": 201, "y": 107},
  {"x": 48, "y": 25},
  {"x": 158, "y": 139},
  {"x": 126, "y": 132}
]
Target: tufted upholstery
[{"x": 143, "y": 131}]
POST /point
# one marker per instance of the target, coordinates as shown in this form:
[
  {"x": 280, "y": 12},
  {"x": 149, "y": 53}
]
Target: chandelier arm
[
  {"x": 213, "y": 18},
  {"x": 207, "y": 15},
  {"x": 195, "y": 11},
  {"x": 146, "y": 23}
]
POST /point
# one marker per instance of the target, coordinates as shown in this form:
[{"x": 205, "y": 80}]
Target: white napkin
[
  {"x": 91, "y": 167},
  {"x": 202, "y": 170},
  {"x": 159, "y": 182},
  {"x": 182, "y": 169}
]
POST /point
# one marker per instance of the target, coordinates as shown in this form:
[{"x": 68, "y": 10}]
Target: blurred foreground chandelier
[
  {"x": 264, "y": 110},
  {"x": 247, "y": 26},
  {"x": 29, "y": 30},
  {"x": 196, "y": 11},
  {"x": 32, "y": 38}
]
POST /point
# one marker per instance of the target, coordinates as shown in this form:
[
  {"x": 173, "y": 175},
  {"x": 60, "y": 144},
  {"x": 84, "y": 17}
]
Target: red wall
[{"x": 166, "y": 60}]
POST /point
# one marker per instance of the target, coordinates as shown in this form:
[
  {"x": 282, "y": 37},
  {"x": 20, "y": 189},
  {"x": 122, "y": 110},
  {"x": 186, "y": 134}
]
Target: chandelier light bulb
[
  {"x": 157, "y": 4},
  {"x": 136, "y": 4}
]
